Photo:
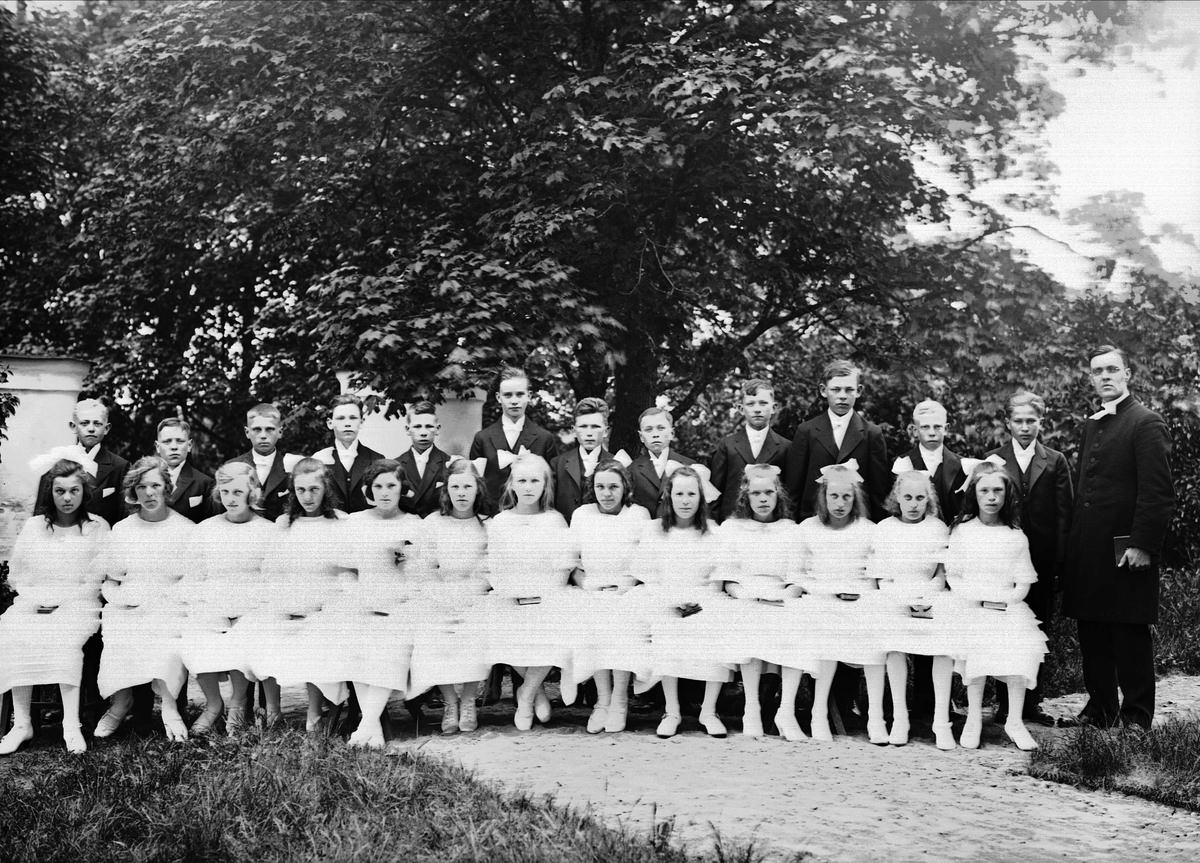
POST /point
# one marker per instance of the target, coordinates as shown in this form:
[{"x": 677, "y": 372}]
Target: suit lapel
[
  {"x": 824, "y": 434},
  {"x": 1013, "y": 469},
  {"x": 574, "y": 465},
  {"x": 433, "y": 469},
  {"x": 645, "y": 467},
  {"x": 772, "y": 447},
  {"x": 104, "y": 465},
  {"x": 185, "y": 481},
  {"x": 526, "y": 437},
  {"x": 1037, "y": 464},
  {"x": 741, "y": 445},
  {"x": 276, "y": 476},
  {"x": 855, "y": 432}
]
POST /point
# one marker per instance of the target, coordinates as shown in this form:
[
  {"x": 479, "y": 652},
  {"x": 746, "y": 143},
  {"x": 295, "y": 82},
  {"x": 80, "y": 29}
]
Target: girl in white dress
[
  {"x": 143, "y": 561},
  {"x": 302, "y": 574},
  {"x": 906, "y": 561},
  {"x": 450, "y": 651},
  {"x": 383, "y": 545},
  {"x": 840, "y": 609},
  {"x": 533, "y": 613},
  {"x": 222, "y": 586},
  {"x": 615, "y": 642},
  {"x": 758, "y": 545},
  {"x": 676, "y": 562},
  {"x": 57, "y": 607},
  {"x": 989, "y": 570}
]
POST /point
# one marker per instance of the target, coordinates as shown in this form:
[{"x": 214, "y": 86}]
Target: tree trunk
[{"x": 634, "y": 386}]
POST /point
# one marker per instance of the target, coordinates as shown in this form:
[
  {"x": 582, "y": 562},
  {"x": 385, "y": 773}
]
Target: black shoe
[
  {"x": 999, "y": 717},
  {"x": 1036, "y": 715}
]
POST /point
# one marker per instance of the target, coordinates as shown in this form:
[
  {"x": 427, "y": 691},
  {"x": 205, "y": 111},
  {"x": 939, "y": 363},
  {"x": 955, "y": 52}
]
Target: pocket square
[
  {"x": 195, "y": 500},
  {"x": 105, "y": 492}
]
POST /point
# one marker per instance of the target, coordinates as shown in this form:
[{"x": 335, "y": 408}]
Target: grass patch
[
  {"x": 1162, "y": 764},
  {"x": 289, "y": 797}
]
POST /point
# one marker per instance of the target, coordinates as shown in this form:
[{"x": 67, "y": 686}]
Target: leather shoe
[{"x": 1039, "y": 717}]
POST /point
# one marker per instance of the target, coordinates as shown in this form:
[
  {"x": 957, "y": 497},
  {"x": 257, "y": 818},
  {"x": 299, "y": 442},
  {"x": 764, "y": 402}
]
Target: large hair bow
[
  {"x": 39, "y": 464},
  {"x": 848, "y": 469},
  {"x": 505, "y": 458},
  {"x": 705, "y": 475},
  {"x": 480, "y": 464},
  {"x": 969, "y": 465}
]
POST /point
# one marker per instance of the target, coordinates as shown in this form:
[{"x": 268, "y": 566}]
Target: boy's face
[
  {"x": 513, "y": 397},
  {"x": 656, "y": 433},
  {"x": 1024, "y": 425},
  {"x": 930, "y": 429},
  {"x": 841, "y": 393},
  {"x": 422, "y": 429},
  {"x": 345, "y": 423},
  {"x": 173, "y": 445},
  {"x": 263, "y": 433},
  {"x": 758, "y": 408},
  {"x": 590, "y": 430},
  {"x": 90, "y": 426}
]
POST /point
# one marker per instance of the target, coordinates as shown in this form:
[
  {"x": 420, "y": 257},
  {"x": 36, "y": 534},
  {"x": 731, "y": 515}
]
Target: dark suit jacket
[
  {"x": 349, "y": 483},
  {"x": 813, "y": 448},
  {"x": 425, "y": 490},
  {"x": 729, "y": 462},
  {"x": 646, "y": 482},
  {"x": 569, "y": 486},
  {"x": 1124, "y": 490},
  {"x": 489, "y": 441},
  {"x": 108, "y": 501},
  {"x": 275, "y": 492},
  {"x": 947, "y": 480},
  {"x": 192, "y": 495},
  {"x": 1046, "y": 496}
]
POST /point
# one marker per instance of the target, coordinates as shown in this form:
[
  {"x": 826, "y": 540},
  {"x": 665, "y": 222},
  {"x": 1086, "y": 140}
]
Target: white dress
[
  {"x": 533, "y": 614},
  {"x": 142, "y": 621},
  {"x": 50, "y": 568},
  {"x": 761, "y": 558},
  {"x": 904, "y": 558},
  {"x": 383, "y": 605},
  {"x": 825, "y": 627},
  {"x": 301, "y": 575},
  {"x": 678, "y": 566},
  {"x": 450, "y": 644},
  {"x": 221, "y": 587},
  {"x": 985, "y": 563},
  {"x": 612, "y": 633}
]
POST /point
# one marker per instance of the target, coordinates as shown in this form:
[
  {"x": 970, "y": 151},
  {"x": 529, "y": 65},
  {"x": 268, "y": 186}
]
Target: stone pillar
[
  {"x": 48, "y": 388},
  {"x": 460, "y": 419}
]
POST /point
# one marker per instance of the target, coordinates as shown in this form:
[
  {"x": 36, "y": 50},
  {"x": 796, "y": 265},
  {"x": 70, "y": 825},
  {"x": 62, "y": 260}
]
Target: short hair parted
[
  {"x": 666, "y": 511},
  {"x": 233, "y": 470},
  {"x": 653, "y": 411},
  {"x": 174, "y": 423},
  {"x": 63, "y": 468},
  {"x": 460, "y": 466},
  {"x": 840, "y": 369},
  {"x": 346, "y": 399},
  {"x": 89, "y": 404},
  {"x": 508, "y": 498},
  {"x": 610, "y": 465},
  {"x": 1027, "y": 400},
  {"x": 932, "y": 506},
  {"x": 424, "y": 406},
  {"x": 590, "y": 405},
  {"x": 265, "y": 410},
  {"x": 330, "y": 501},
  {"x": 928, "y": 406},
  {"x": 860, "y": 498},
  {"x": 144, "y": 465},
  {"x": 377, "y": 469},
  {"x": 752, "y": 386},
  {"x": 512, "y": 373},
  {"x": 1010, "y": 513},
  {"x": 783, "y": 502}
]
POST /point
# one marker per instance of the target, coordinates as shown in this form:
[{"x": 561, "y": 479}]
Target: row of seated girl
[{"x": 394, "y": 603}]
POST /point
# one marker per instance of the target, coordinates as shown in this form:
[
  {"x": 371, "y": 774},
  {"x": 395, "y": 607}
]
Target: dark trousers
[{"x": 1117, "y": 656}]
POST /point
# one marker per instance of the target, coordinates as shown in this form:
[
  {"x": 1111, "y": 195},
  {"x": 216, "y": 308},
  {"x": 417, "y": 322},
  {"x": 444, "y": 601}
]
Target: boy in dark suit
[
  {"x": 837, "y": 435},
  {"x": 192, "y": 489},
  {"x": 263, "y": 423},
  {"x": 1044, "y": 478},
  {"x": 423, "y": 463},
  {"x": 656, "y": 428},
  {"x": 89, "y": 423},
  {"x": 571, "y": 469},
  {"x": 348, "y": 458},
  {"x": 511, "y": 433},
  {"x": 753, "y": 443}
]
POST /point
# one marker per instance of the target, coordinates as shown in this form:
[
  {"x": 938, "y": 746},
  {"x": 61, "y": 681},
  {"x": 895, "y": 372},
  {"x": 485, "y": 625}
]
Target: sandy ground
[{"x": 844, "y": 801}]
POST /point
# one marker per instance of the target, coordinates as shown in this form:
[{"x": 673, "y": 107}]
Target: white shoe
[
  {"x": 752, "y": 724},
  {"x": 175, "y": 728},
  {"x": 541, "y": 706},
  {"x": 108, "y": 724},
  {"x": 969, "y": 739},
  {"x": 668, "y": 726},
  {"x": 523, "y": 718},
  {"x": 713, "y": 725},
  {"x": 898, "y": 736},
  {"x": 614, "y": 722},
  {"x": 789, "y": 728},
  {"x": 1019, "y": 735},
  {"x": 943, "y": 736},
  {"x": 17, "y": 735},
  {"x": 73, "y": 738},
  {"x": 467, "y": 720},
  {"x": 597, "y": 720},
  {"x": 877, "y": 732},
  {"x": 820, "y": 729}
]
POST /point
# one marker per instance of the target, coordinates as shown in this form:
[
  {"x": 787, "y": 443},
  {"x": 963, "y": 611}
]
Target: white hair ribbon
[
  {"x": 710, "y": 491},
  {"x": 848, "y": 467},
  {"x": 623, "y": 458},
  {"x": 41, "y": 463},
  {"x": 969, "y": 465}
]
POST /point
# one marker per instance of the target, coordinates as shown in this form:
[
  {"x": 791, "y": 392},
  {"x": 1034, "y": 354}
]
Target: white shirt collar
[
  {"x": 94, "y": 451},
  {"x": 422, "y": 458},
  {"x": 839, "y": 421},
  {"x": 1108, "y": 408},
  {"x": 757, "y": 436},
  {"x": 175, "y": 472},
  {"x": 589, "y": 458},
  {"x": 660, "y": 462},
  {"x": 1021, "y": 450},
  {"x": 932, "y": 458},
  {"x": 344, "y": 451},
  {"x": 263, "y": 460},
  {"x": 507, "y": 424}
]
